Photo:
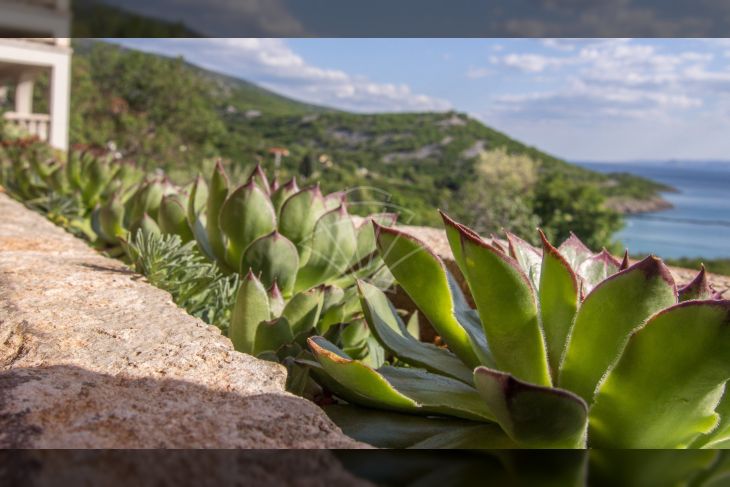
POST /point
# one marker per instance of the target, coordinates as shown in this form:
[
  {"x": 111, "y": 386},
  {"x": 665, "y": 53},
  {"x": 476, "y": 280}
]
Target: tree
[
  {"x": 306, "y": 166},
  {"x": 500, "y": 195}
]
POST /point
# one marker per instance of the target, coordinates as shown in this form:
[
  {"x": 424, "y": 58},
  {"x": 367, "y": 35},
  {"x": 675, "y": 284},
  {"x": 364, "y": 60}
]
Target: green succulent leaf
[
  {"x": 413, "y": 327},
  {"x": 663, "y": 391},
  {"x": 720, "y": 436},
  {"x": 298, "y": 216},
  {"x": 197, "y": 200},
  {"x": 699, "y": 288},
  {"x": 172, "y": 217},
  {"x": 597, "y": 269},
  {"x": 507, "y": 306},
  {"x": 74, "y": 166},
  {"x": 276, "y": 300},
  {"x": 271, "y": 335},
  {"x": 334, "y": 200},
  {"x": 532, "y": 415},
  {"x": 423, "y": 276},
  {"x": 304, "y": 309},
  {"x": 275, "y": 259},
  {"x": 528, "y": 257},
  {"x": 97, "y": 174},
  {"x": 453, "y": 235},
  {"x": 385, "y": 429},
  {"x": 200, "y": 232},
  {"x": 608, "y": 315},
  {"x": 111, "y": 219},
  {"x": 390, "y": 331},
  {"x": 259, "y": 178},
  {"x": 559, "y": 296},
  {"x": 397, "y": 388},
  {"x": 217, "y": 195},
  {"x": 246, "y": 215},
  {"x": 146, "y": 199},
  {"x": 250, "y": 309},
  {"x": 330, "y": 251},
  {"x": 283, "y": 193},
  {"x": 146, "y": 225},
  {"x": 366, "y": 245},
  {"x": 575, "y": 251}
]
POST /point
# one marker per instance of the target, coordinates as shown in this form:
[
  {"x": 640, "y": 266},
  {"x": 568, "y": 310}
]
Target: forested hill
[{"x": 166, "y": 113}]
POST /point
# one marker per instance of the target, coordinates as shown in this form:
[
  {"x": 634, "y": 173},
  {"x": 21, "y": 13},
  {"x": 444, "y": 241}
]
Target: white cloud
[
  {"x": 272, "y": 64},
  {"x": 533, "y": 63},
  {"x": 614, "y": 79}
]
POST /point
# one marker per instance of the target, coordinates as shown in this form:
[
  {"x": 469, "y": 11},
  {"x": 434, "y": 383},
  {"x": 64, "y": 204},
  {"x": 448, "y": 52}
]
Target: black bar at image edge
[
  {"x": 503, "y": 468},
  {"x": 371, "y": 18}
]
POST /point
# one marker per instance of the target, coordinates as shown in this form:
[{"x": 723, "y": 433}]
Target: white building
[{"x": 44, "y": 47}]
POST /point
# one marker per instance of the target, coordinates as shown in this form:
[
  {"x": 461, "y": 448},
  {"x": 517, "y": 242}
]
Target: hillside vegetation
[{"x": 166, "y": 113}]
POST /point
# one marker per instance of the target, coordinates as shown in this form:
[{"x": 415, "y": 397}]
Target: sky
[{"x": 578, "y": 99}]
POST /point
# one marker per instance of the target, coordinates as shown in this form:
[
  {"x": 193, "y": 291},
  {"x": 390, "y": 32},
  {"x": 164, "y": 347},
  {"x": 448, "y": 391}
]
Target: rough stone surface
[{"x": 92, "y": 356}]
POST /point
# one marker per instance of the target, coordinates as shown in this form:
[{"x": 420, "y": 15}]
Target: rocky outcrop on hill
[{"x": 633, "y": 206}]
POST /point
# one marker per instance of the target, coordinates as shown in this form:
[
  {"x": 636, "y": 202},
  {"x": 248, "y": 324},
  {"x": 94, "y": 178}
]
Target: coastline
[{"x": 631, "y": 206}]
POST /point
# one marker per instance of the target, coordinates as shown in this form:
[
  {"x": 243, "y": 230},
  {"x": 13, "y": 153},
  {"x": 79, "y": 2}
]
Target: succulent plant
[
  {"x": 565, "y": 348},
  {"x": 70, "y": 192},
  {"x": 298, "y": 253}
]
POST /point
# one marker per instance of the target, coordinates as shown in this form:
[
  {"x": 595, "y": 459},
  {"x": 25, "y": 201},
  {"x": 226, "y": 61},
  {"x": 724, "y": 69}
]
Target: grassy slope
[{"x": 418, "y": 158}]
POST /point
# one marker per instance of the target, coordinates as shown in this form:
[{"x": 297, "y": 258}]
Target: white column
[
  {"x": 24, "y": 93},
  {"x": 60, "y": 98}
]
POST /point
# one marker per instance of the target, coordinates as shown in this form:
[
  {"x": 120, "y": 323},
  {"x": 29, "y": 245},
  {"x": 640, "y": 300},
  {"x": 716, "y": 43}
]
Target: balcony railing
[{"x": 38, "y": 124}]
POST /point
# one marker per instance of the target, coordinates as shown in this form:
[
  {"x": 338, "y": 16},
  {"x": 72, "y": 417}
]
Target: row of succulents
[
  {"x": 554, "y": 347},
  {"x": 565, "y": 349},
  {"x": 297, "y": 251}
]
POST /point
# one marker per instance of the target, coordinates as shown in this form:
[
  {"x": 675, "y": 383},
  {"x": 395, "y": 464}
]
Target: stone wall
[{"x": 91, "y": 356}]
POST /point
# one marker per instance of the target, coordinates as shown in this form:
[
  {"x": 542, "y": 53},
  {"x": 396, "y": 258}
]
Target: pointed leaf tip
[
  {"x": 653, "y": 266},
  {"x": 625, "y": 262},
  {"x": 698, "y": 288}
]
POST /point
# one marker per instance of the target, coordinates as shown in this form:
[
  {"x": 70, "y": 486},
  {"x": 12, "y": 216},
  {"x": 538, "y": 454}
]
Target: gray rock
[{"x": 91, "y": 356}]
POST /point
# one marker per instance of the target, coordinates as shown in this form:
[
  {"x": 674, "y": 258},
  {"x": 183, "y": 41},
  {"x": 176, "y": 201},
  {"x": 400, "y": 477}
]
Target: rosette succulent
[
  {"x": 299, "y": 254},
  {"x": 564, "y": 348}
]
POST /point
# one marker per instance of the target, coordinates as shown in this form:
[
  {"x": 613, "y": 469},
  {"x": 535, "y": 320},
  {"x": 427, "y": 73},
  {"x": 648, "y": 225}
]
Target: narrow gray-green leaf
[
  {"x": 559, "y": 296},
  {"x": 217, "y": 194},
  {"x": 507, "y": 306},
  {"x": 423, "y": 276},
  {"x": 398, "y": 388},
  {"x": 197, "y": 200},
  {"x": 393, "y": 335},
  {"x": 172, "y": 217}
]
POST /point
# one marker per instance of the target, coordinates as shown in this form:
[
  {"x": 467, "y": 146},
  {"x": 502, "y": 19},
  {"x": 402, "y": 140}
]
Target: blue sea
[{"x": 699, "y": 223}]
